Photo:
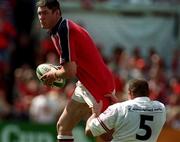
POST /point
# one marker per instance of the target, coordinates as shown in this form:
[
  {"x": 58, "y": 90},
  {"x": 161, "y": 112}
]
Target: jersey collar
[
  {"x": 142, "y": 99},
  {"x": 55, "y": 28}
]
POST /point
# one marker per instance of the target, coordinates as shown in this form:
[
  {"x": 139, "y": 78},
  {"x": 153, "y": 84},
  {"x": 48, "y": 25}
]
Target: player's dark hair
[
  {"x": 50, "y": 4},
  {"x": 139, "y": 87}
]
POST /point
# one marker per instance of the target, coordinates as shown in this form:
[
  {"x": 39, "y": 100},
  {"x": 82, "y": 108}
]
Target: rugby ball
[{"x": 43, "y": 68}]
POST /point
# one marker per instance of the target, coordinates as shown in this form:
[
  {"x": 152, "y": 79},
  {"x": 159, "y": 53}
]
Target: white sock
[{"x": 63, "y": 138}]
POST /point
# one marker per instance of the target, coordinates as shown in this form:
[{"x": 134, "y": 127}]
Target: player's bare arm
[{"x": 68, "y": 70}]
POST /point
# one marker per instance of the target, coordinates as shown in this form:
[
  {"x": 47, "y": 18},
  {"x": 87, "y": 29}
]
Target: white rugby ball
[{"x": 43, "y": 68}]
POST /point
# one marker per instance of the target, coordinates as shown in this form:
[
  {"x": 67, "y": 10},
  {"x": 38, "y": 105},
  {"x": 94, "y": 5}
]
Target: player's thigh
[{"x": 72, "y": 114}]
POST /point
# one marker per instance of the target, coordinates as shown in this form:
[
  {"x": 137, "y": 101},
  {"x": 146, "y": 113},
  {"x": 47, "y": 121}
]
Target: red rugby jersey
[{"x": 73, "y": 43}]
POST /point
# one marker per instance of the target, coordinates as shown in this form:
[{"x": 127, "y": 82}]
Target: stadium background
[{"x": 137, "y": 38}]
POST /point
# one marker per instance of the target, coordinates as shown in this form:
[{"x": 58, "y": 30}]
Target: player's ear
[
  {"x": 130, "y": 95},
  {"x": 58, "y": 12}
]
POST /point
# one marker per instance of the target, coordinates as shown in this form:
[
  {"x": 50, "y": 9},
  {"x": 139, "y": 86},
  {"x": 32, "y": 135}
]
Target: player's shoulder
[
  {"x": 121, "y": 106},
  {"x": 66, "y": 23},
  {"x": 75, "y": 26},
  {"x": 114, "y": 107},
  {"x": 158, "y": 103},
  {"x": 67, "y": 26},
  {"x": 72, "y": 24},
  {"x": 127, "y": 103}
]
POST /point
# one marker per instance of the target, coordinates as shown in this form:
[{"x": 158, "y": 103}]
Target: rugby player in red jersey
[{"x": 79, "y": 58}]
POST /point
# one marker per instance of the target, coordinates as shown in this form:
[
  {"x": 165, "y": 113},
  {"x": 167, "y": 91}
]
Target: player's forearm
[
  {"x": 68, "y": 70},
  {"x": 61, "y": 73}
]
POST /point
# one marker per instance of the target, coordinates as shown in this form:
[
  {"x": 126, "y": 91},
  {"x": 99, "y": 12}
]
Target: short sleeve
[{"x": 105, "y": 122}]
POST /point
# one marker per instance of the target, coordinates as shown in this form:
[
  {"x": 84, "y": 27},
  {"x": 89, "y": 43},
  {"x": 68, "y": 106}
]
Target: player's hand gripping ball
[{"x": 43, "y": 68}]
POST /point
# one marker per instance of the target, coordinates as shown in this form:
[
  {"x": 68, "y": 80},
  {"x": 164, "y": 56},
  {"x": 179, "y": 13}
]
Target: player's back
[
  {"x": 91, "y": 69},
  {"x": 142, "y": 120}
]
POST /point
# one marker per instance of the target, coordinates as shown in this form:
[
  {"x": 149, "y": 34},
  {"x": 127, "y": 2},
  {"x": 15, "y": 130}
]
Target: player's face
[{"x": 47, "y": 18}]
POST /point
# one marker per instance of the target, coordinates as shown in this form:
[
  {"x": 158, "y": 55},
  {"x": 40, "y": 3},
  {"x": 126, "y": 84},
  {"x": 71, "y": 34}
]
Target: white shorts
[{"x": 82, "y": 95}]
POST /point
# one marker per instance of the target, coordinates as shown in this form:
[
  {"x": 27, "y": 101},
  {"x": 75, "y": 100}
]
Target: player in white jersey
[{"x": 135, "y": 120}]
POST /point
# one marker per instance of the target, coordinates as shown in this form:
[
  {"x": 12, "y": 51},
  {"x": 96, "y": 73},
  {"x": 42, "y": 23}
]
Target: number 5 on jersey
[{"x": 147, "y": 128}]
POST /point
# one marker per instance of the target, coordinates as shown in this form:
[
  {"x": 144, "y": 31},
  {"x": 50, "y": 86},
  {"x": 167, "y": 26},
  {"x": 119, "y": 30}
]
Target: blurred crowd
[
  {"x": 23, "y": 47},
  {"x": 130, "y": 1}
]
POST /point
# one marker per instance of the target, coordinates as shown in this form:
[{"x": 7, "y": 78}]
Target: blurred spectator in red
[
  {"x": 119, "y": 62},
  {"x": 7, "y": 37},
  {"x": 26, "y": 87},
  {"x": 155, "y": 61},
  {"x": 158, "y": 80},
  {"x": 175, "y": 96},
  {"x": 175, "y": 63},
  {"x": 45, "y": 52},
  {"x": 87, "y": 4},
  {"x": 137, "y": 64},
  {"x": 173, "y": 118},
  {"x": 116, "y": 64},
  {"x": 7, "y": 34},
  {"x": 149, "y": 59}
]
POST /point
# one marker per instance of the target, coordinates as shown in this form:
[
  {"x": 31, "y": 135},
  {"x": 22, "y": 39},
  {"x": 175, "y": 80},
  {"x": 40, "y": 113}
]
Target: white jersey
[{"x": 134, "y": 120}]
